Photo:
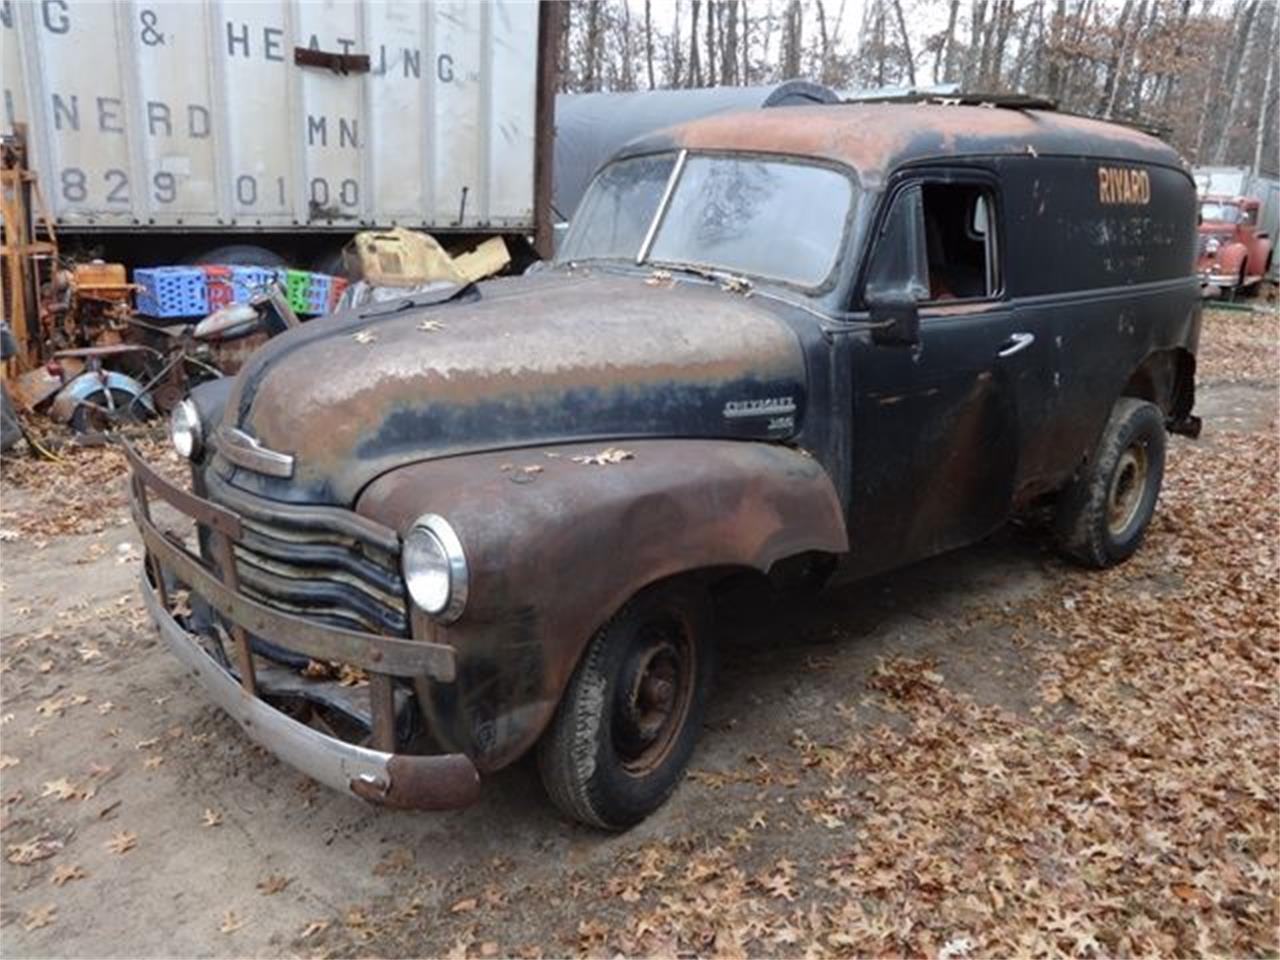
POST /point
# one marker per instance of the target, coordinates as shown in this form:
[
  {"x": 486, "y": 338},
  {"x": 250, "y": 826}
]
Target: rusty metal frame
[{"x": 384, "y": 658}]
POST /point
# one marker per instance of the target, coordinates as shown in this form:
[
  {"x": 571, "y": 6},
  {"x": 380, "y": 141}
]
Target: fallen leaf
[
  {"x": 212, "y": 818},
  {"x": 122, "y": 842},
  {"x": 63, "y": 874},
  {"x": 230, "y": 922},
  {"x": 430, "y": 326},
  {"x": 39, "y": 917},
  {"x": 38, "y": 848},
  {"x": 312, "y": 928},
  {"x": 364, "y": 336},
  {"x": 152, "y": 762},
  {"x": 273, "y": 884},
  {"x": 464, "y": 906},
  {"x": 605, "y": 457},
  {"x": 7, "y": 761},
  {"x": 62, "y": 788}
]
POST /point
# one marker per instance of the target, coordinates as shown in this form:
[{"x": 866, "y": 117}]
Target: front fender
[{"x": 555, "y": 546}]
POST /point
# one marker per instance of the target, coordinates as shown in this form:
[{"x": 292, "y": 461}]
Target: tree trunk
[
  {"x": 648, "y": 41},
  {"x": 1261, "y": 135},
  {"x": 711, "y": 43},
  {"x": 729, "y": 45},
  {"x": 746, "y": 46},
  {"x": 695, "y": 68},
  {"x": 945, "y": 57},
  {"x": 973, "y": 55},
  {"x": 791, "y": 42},
  {"x": 1239, "y": 57},
  {"x": 906, "y": 42}
]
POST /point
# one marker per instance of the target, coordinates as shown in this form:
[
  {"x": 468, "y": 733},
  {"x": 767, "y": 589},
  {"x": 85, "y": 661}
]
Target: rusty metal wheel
[
  {"x": 653, "y": 695},
  {"x": 1104, "y": 512},
  {"x": 1125, "y": 492},
  {"x": 632, "y": 711}
]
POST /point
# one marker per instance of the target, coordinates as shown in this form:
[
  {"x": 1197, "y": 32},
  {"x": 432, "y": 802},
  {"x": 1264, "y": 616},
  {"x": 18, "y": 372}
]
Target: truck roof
[{"x": 875, "y": 138}]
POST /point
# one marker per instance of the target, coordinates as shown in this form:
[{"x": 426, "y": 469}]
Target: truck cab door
[{"x": 939, "y": 425}]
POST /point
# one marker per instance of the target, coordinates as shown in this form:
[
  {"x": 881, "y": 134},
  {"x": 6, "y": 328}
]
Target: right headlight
[
  {"x": 435, "y": 568},
  {"x": 186, "y": 431}
]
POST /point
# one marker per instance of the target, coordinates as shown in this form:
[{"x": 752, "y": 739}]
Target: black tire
[
  {"x": 1104, "y": 512},
  {"x": 619, "y": 742},
  {"x": 240, "y": 255}
]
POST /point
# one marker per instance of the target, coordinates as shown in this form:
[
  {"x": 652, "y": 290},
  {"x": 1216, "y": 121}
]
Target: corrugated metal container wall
[{"x": 195, "y": 115}]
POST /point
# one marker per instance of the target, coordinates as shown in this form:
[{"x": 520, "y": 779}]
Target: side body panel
[
  {"x": 179, "y": 115},
  {"x": 556, "y": 546},
  {"x": 1111, "y": 272},
  {"x": 950, "y": 436}
]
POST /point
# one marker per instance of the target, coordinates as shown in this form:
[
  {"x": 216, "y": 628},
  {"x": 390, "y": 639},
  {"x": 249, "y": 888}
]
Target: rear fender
[
  {"x": 555, "y": 547},
  {"x": 1167, "y": 378}
]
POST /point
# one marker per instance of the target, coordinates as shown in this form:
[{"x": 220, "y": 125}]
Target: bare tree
[
  {"x": 791, "y": 41},
  {"x": 1265, "y": 103},
  {"x": 1241, "y": 54},
  {"x": 648, "y": 41},
  {"x": 944, "y": 59},
  {"x": 906, "y": 42},
  {"x": 695, "y": 66}
]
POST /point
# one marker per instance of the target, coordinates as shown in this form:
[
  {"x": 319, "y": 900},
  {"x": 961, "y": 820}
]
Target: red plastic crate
[
  {"x": 335, "y": 292},
  {"x": 218, "y": 283}
]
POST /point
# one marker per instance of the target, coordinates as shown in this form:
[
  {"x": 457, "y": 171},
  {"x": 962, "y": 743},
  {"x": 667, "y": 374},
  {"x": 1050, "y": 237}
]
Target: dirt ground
[{"x": 988, "y": 753}]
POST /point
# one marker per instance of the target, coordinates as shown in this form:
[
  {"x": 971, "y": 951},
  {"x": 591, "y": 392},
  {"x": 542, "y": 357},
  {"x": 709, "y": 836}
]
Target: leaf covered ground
[{"x": 1087, "y": 765}]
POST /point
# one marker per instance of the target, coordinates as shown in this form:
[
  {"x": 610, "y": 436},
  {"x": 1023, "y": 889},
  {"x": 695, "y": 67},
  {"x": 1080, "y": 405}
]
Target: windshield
[
  {"x": 772, "y": 219},
  {"x": 1215, "y": 212}
]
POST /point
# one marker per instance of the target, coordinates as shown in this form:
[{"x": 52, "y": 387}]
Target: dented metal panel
[
  {"x": 197, "y": 116},
  {"x": 555, "y": 546},
  {"x": 556, "y": 357}
]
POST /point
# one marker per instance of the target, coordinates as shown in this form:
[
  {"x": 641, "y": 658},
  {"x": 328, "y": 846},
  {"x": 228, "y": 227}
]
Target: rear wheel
[
  {"x": 632, "y": 712},
  {"x": 1103, "y": 514}
]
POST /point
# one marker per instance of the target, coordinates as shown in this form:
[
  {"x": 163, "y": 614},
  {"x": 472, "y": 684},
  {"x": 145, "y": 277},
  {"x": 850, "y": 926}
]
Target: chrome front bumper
[{"x": 411, "y": 781}]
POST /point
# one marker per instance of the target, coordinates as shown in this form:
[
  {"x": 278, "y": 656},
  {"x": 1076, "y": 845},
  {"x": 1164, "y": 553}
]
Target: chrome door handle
[{"x": 1015, "y": 343}]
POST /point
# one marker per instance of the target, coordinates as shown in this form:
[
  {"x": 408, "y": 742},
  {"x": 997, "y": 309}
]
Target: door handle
[{"x": 1016, "y": 343}]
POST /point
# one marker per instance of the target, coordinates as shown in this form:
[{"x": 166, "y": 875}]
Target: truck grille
[{"x": 320, "y": 562}]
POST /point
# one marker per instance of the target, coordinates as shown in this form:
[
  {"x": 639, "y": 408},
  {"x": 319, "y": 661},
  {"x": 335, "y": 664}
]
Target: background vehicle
[
  {"x": 1244, "y": 182},
  {"x": 1235, "y": 253},
  {"x": 273, "y": 128}
]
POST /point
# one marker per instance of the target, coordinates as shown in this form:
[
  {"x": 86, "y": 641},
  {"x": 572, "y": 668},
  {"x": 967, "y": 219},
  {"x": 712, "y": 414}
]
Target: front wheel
[
  {"x": 1103, "y": 514},
  {"x": 631, "y": 714}
]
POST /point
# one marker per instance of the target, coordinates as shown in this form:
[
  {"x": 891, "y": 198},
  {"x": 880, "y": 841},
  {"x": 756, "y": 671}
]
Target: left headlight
[
  {"x": 435, "y": 568},
  {"x": 1212, "y": 245},
  {"x": 185, "y": 430}
]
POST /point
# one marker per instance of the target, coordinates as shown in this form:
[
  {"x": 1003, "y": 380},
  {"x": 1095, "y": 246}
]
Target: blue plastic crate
[
  {"x": 248, "y": 282},
  {"x": 317, "y": 293},
  {"x": 172, "y": 292}
]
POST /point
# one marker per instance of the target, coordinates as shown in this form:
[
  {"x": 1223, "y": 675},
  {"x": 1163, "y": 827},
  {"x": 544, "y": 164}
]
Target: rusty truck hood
[{"x": 543, "y": 359}]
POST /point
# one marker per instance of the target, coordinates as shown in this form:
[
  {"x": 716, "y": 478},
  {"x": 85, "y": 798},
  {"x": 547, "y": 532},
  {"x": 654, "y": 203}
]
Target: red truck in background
[{"x": 1235, "y": 255}]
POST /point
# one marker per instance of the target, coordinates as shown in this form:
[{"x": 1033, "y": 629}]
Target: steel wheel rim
[
  {"x": 654, "y": 695},
  {"x": 1128, "y": 486}
]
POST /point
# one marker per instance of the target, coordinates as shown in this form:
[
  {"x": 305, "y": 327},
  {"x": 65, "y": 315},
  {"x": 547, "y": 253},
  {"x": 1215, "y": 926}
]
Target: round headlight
[
  {"x": 434, "y": 567},
  {"x": 185, "y": 430},
  {"x": 1213, "y": 245}
]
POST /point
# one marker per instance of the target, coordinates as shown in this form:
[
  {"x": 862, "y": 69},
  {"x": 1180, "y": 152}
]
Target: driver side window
[{"x": 937, "y": 244}]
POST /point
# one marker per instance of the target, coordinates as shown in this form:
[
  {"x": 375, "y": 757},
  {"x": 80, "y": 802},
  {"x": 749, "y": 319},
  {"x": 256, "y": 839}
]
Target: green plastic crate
[{"x": 297, "y": 284}]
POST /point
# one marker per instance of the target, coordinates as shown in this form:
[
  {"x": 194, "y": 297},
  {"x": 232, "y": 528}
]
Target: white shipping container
[{"x": 195, "y": 116}]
